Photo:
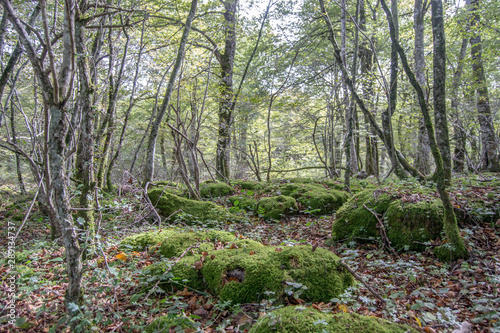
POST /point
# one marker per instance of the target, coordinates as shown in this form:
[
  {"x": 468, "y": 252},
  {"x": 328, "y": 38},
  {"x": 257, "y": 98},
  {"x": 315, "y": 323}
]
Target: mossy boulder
[
  {"x": 246, "y": 271},
  {"x": 250, "y": 185},
  {"x": 276, "y": 207},
  {"x": 315, "y": 197},
  {"x": 147, "y": 239},
  {"x": 406, "y": 221},
  {"x": 212, "y": 190},
  {"x": 298, "y": 319},
  {"x": 354, "y": 221},
  {"x": 243, "y": 202},
  {"x": 165, "y": 323},
  {"x": 193, "y": 211},
  {"x": 414, "y": 222}
]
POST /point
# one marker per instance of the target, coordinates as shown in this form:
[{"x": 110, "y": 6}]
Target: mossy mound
[
  {"x": 246, "y": 271},
  {"x": 212, "y": 190},
  {"x": 250, "y": 185},
  {"x": 175, "y": 245},
  {"x": 193, "y": 211},
  {"x": 414, "y": 222},
  {"x": 165, "y": 323},
  {"x": 406, "y": 222},
  {"x": 276, "y": 207},
  {"x": 147, "y": 239},
  {"x": 299, "y": 319},
  {"x": 315, "y": 197},
  {"x": 353, "y": 220},
  {"x": 243, "y": 202}
]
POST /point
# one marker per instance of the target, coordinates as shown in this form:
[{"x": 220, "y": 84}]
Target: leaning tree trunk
[
  {"x": 150, "y": 153},
  {"x": 489, "y": 153},
  {"x": 456, "y": 247}
]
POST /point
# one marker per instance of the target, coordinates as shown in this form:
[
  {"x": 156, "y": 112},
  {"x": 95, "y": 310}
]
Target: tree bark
[
  {"x": 489, "y": 154},
  {"x": 226, "y": 60},
  {"x": 459, "y": 134},
  {"x": 423, "y": 149},
  {"x": 150, "y": 152}
]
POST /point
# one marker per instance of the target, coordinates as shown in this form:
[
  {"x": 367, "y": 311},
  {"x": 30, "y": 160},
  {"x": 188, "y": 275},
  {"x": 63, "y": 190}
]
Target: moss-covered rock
[
  {"x": 406, "y": 222},
  {"x": 353, "y": 220},
  {"x": 243, "y": 202},
  {"x": 277, "y": 206},
  {"x": 212, "y": 190},
  {"x": 165, "y": 323},
  {"x": 315, "y": 197},
  {"x": 245, "y": 271},
  {"x": 297, "y": 319},
  {"x": 251, "y": 185},
  {"x": 193, "y": 211},
  {"x": 176, "y": 244},
  {"x": 413, "y": 222},
  {"x": 147, "y": 239}
]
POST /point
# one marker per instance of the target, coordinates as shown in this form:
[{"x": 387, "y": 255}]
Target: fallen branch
[
  {"x": 383, "y": 233},
  {"x": 357, "y": 277}
]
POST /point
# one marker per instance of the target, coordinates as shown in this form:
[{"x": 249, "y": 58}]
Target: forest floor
[{"x": 418, "y": 290}]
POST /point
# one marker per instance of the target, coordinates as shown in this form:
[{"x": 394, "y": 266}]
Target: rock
[
  {"x": 276, "y": 207},
  {"x": 298, "y": 319}
]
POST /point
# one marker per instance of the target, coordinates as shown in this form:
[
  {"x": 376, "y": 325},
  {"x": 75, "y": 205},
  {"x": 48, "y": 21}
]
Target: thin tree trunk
[
  {"x": 423, "y": 149},
  {"x": 489, "y": 155},
  {"x": 226, "y": 60},
  {"x": 150, "y": 152},
  {"x": 459, "y": 134}
]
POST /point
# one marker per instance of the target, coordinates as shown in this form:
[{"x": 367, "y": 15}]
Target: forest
[{"x": 250, "y": 166}]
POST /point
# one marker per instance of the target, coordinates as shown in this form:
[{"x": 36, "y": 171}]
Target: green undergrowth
[
  {"x": 171, "y": 321},
  {"x": 299, "y": 319}
]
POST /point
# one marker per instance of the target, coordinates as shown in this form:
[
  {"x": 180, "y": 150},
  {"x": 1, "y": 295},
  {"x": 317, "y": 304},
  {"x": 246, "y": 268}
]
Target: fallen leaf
[
  {"x": 233, "y": 246},
  {"x": 278, "y": 249},
  {"x": 122, "y": 256}
]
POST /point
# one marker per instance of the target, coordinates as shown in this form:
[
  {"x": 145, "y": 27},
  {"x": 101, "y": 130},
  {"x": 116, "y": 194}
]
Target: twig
[
  {"x": 357, "y": 277},
  {"x": 172, "y": 266},
  {"x": 383, "y": 233},
  {"x": 29, "y": 210}
]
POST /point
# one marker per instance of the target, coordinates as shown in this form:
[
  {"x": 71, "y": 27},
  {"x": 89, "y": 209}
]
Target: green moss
[
  {"x": 354, "y": 220},
  {"x": 414, "y": 222},
  {"x": 246, "y": 272},
  {"x": 164, "y": 323},
  {"x": 211, "y": 190},
  {"x": 176, "y": 244},
  {"x": 251, "y": 185},
  {"x": 297, "y": 319},
  {"x": 144, "y": 240},
  {"x": 276, "y": 207},
  {"x": 319, "y": 271},
  {"x": 243, "y": 202},
  {"x": 194, "y": 212}
]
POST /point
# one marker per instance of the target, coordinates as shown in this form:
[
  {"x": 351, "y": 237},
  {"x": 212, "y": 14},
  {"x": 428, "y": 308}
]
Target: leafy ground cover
[{"x": 417, "y": 289}]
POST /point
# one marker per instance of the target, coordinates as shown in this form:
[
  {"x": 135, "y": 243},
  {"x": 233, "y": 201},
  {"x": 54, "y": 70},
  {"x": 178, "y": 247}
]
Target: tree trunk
[
  {"x": 489, "y": 156},
  {"x": 456, "y": 248},
  {"x": 423, "y": 150},
  {"x": 459, "y": 134},
  {"x": 226, "y": 61},
  {"x": 150, "y": 152}
]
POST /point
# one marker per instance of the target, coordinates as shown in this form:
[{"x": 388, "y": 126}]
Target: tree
[
  {"x": 149, "y": 165},
  {"x": 489, "y": 154}
]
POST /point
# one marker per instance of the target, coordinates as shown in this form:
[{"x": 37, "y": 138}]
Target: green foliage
[
  {"x": 243, "y": 202},
  {"x": 277, "y": 206},
  {"x": 300, "y": 319}
]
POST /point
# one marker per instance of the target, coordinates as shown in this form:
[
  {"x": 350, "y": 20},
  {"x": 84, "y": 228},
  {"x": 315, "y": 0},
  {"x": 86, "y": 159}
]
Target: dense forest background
[{"x": 95, "y": 95}]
